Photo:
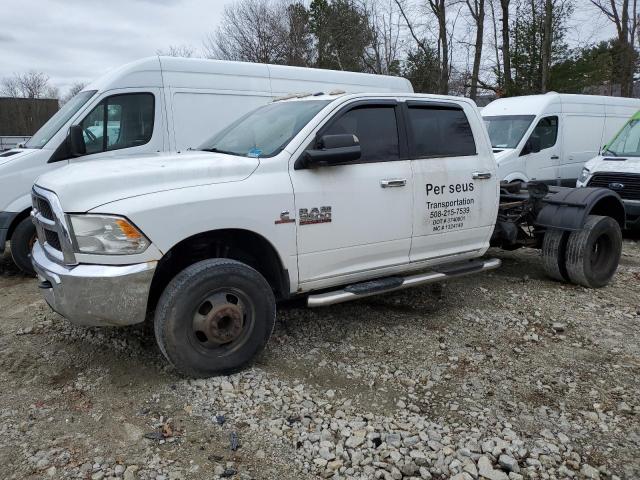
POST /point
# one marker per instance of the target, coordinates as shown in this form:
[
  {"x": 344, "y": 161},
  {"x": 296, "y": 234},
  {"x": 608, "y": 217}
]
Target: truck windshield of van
[
  {"x": 627, "y": 142},
  {"x": 265, "y": 131},
  {"x": 506, "y": 131},
  {"x": 62, "y": 116}
]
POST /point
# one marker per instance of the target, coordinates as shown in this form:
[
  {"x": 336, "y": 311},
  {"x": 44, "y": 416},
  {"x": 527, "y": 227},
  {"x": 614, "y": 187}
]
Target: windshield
[
  {"x": 265, "y": 131},
  {"x": 627, "y": 142},
  {"x": 62, "y": 116},
  {"x": 506, "y": 131}
]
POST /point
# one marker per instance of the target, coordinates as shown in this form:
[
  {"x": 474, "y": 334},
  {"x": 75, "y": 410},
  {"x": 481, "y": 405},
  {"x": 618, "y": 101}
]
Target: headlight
[
  {"x": 106, "y": 235},
  {"x": 584, "y": 175}
]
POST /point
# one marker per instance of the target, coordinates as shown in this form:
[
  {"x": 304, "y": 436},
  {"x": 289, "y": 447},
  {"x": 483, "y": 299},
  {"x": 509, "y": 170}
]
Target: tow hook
[{"x": 45, "y": 285}]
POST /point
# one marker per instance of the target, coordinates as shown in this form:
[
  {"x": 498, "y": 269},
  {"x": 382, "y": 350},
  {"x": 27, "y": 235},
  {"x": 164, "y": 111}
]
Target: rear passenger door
[{"x": 455, "y": 181}]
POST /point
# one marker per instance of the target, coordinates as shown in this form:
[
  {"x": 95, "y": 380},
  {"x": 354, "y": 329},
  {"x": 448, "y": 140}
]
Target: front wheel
[
  {"x": 214, "y": 318},
  {"x": 22, "y": 241}
]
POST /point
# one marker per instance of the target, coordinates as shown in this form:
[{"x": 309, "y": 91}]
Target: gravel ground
[{"x": 506, "y": 375}]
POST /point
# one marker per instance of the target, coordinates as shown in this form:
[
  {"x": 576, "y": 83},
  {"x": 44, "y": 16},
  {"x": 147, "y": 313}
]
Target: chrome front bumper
[{"x": 95, "y": 295}]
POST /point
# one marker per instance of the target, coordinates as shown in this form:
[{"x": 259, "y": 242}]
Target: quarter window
[
  {"x": 440, "y": 132},
  {"x": 375, "y": 127},
  {"x": 119, "y": 121},
  {"x": 547, "y": 131}
]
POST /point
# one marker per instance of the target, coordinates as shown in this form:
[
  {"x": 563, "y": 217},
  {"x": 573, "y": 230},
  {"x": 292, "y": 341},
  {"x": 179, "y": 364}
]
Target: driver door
[
  {"x": 354, "y": 220},
  {"x": 543, "y": 165}
]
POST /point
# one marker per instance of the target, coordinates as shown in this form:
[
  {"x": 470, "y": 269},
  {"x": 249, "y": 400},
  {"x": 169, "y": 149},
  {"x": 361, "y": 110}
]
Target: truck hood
[
  {"x": 87, "y": 185},
  {"x": 614, "y": 164},
  {"x": 14, "y": 154},
  {"x": 502, "y": 153}
]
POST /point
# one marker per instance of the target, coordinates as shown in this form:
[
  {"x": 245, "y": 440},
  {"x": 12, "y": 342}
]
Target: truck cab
[{"x": 333, "y": 197}]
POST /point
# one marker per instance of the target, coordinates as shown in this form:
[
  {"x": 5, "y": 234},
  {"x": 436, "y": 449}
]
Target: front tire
[
  {"x": 22, "y": 241},
  {"x": 214, "y": 318},
  {"x": 593, "y": 253}
]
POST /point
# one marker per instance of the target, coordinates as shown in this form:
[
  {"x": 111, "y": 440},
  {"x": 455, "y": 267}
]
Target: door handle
[
  {"x": 393, "y": 182},
  {"x": 554, "y": 157},
  {"x": 481, "y": 175}
]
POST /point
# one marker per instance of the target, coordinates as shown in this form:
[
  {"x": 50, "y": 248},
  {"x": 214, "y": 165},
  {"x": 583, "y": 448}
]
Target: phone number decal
[{"x": 449, "y": 215}]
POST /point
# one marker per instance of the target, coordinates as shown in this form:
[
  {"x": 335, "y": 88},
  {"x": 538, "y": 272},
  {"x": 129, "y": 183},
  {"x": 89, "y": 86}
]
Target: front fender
[{"x": 568, "y": 208}]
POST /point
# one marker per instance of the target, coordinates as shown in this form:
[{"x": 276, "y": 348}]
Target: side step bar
[{"x": 390, "y": 284}]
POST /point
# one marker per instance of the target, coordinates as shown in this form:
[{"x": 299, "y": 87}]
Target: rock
[
  {"x": 118, "y": 470},
  {"x": 485, "y": 469},
  {"x": 98, "y": 475},
  {"x": 353, "y": 441},
  {"x": 589, "y": 472},
  {"x": 51, "y": 471},
  {"x": 393, "y": 440},
  {"x": 226, "y": 386},
  {"x": 508, "y": 463},
  {"x": 130, "y": 472},
  {"x": 334, "y": 465},
  {"x": 326, "y": 454},
  {"x": 558, "y": 327}
]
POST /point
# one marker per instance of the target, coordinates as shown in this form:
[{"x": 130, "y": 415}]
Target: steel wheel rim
[{"x": 222, "y": 321}]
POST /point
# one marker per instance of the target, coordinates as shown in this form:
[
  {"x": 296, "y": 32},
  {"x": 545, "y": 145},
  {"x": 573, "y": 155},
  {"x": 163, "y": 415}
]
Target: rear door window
[
  {"x": 119, "y": 121},
  {"x": 439, "y": 131}
]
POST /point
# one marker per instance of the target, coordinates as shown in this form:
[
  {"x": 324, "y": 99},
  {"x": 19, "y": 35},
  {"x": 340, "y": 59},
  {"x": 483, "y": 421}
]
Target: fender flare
[{"x": 568, "y": 208}]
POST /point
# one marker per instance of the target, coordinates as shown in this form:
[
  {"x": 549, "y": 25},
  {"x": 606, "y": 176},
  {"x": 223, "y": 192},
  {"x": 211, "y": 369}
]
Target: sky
[{"x": 78, "y": 40}]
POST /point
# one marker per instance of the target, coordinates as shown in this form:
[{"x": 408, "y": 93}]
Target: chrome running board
[{"x": 391, "y": 284}]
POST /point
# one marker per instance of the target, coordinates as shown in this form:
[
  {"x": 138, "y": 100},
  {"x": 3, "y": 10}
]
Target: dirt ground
[{"x": 459, "y": 382}]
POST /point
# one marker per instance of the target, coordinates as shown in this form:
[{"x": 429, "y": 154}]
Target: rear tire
[
  {"x": 553, "y": 254},
  {"x": 22, "y": 240},
  {"x": 214, "y": 318},
  {"x": 593, "y": 253}
]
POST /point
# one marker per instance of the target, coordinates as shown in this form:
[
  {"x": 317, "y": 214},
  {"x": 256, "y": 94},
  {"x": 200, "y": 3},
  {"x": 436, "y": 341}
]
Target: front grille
[
  {"x": 44, "y": 208},
  {"x": 53, "y": 239},
  {"x": 627, "y": 185}
]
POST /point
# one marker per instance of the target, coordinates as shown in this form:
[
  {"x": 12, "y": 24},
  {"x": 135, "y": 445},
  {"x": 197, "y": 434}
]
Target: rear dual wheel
[
  {"x": 214, "y": 318},
  {"x": 587, "y": 257}
]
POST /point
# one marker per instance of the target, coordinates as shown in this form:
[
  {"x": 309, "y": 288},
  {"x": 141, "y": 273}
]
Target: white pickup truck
[{"x": 328, "y": 197}]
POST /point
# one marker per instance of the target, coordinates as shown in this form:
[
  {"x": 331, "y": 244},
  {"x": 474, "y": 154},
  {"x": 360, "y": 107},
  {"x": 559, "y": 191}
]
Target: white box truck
[
  {"x": 153, "y": 105},
  {"x": 549, "y": 137}
]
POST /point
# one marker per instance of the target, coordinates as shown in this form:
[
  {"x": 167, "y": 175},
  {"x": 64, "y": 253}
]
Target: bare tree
[
  {"x": 74, "y": 89},
  {"x": 28, "y": 85},
  {"x": 251, "y": 31},
  {"x": 476, "y": 9},
  {"x": 439, "y": 9},
  {"x": 183, "y": 50},
  {"x": 506, "y": 52},
  {"x": 626, "y": 23},
  {"x": 547, "y": 40},
  {"x": 384, "y": 54}
]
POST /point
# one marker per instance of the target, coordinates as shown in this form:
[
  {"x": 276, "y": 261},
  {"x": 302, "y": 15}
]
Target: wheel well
[
  {"x": 610, "y": 207},
  {"x": 21, "y": 216},
  {"x": 242, "y": 245}
]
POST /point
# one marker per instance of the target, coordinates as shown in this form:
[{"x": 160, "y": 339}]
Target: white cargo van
[
  {"x": 152, "y": 105},
  {"x": 549, "y": 137}
]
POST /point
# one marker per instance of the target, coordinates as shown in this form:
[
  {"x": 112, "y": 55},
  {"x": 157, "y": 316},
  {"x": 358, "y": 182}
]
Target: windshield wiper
[{"x": 217, "y": 150}]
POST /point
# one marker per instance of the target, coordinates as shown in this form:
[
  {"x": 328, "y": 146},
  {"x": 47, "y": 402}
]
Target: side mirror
[
  {"x": 532, "y": 146},
  {"x": 75, "y": 140},
  {"x": 330, "y": 150}
]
